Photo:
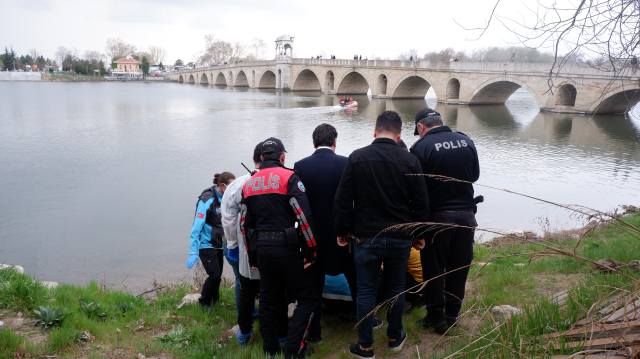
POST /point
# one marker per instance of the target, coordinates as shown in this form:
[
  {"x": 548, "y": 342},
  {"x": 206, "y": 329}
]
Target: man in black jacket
[
  {"x": 273, "y": 200},
  {"x": 448, "y": 248},
  {"x": 376, "y": 192}
]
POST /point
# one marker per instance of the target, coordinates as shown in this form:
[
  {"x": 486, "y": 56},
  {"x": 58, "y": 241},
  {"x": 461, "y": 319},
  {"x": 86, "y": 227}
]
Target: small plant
[
  {"x": 94, "y": 311},
  {"x": 125, "y": 307},
  {"x": 49, "y": 317},
  {"x": 177, "y": 338}
]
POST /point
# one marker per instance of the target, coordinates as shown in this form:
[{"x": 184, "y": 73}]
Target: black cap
[
  {"x": 271, "y": 146},
  {"x": 422, "y": 114}
]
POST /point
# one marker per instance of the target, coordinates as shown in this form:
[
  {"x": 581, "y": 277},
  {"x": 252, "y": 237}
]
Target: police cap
[
  {"x": 271, "y": 146},
  {"x": 422, "y": 114}
]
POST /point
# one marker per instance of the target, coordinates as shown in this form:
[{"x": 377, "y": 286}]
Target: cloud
[{"x": 372, "y": 28}]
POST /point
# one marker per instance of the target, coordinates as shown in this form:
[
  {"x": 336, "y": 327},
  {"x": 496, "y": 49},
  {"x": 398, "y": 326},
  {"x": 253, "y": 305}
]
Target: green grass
[
  {"x": 19, "y": 291},
  {"x": 10, "y": 344},
  {"x": 75, "y": 77},
  {"x": 123, "y": 325}
]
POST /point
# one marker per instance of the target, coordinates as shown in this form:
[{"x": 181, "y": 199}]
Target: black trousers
[
  {"x": 347, "y": 266},
  {"x": 446, "y": 250},
  {"x": 249, "y": 289},
  {"x": 277, "y": 273},
  {"x": 409, "y": 283},
  {"x": 212, "y": 262}
]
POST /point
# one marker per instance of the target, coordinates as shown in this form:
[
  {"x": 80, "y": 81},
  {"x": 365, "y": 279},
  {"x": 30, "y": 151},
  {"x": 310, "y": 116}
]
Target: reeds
[{"x": 519, "y": 336}]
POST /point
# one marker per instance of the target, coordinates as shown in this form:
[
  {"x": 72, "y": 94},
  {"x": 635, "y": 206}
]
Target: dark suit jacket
[{"x": 321, "y": 173}]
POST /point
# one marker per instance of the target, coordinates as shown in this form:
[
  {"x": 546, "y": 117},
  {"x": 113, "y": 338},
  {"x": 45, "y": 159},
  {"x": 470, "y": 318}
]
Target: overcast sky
[{"x": 343, "y": 28}]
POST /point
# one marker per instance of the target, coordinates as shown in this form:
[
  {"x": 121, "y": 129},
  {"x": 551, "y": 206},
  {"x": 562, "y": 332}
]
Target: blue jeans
[
  {"x": 369, "y": 257},
  {"x": 235, "y": 266}
]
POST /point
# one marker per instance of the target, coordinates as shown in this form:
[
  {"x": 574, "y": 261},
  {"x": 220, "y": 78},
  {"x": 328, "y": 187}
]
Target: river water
[{"x": 99, "y": 181}]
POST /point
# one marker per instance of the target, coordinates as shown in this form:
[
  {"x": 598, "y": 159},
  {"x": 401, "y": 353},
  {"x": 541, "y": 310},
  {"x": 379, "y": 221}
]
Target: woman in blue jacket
[{"x": 206, "y": 237}]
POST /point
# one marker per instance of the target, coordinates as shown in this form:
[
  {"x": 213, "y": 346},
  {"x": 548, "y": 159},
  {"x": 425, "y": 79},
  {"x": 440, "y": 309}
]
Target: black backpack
[{"x": 213, "y": 218}]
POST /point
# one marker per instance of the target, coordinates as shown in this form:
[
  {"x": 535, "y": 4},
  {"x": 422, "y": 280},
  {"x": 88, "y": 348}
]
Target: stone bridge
[{"x": 575, "y": 90}]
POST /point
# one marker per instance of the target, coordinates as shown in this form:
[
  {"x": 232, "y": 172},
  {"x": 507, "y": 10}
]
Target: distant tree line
[
  {"x": 218, "y": 51},
  {"x": 9, "y": 60},
  {"x": 487, "y": 54},
  {"x": 492, "y": 54},
  {"x": 71, "y": 60}
]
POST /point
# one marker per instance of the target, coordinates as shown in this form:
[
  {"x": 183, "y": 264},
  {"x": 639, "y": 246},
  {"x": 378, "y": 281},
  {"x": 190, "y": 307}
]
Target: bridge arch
[
  {"x": 306, "y": 80},
  {"x": 221, "y": 80},
  {"x": 453, "y": 89},
  {"x": 411, "y": 86},
  {"x": 496, "y": 91},
  {"x": 353, "y": 83},
  {"x": 241, "y": 79},
  {"x": 566, "y": 95},
  {"x": 267, "y": 80},
  {"x": 204, "y": 80},
  {"x": 180, "y": 79},
  {"x": 192, "y": 80},
  {"x": 382, "y": 84},
  {"x": 329, "y": 81},
  {"x": 619, "y": 102}
]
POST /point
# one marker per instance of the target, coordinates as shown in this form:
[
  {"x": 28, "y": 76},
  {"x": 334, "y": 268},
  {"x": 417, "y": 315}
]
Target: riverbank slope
[
  {"x": 71, "y": 78},
  {"x": 99, "y": 322}
]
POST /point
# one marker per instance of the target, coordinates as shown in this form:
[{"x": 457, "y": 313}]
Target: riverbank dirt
[
  {"x": 71, "y": 78},
  {"x": 133, "y": 323}
]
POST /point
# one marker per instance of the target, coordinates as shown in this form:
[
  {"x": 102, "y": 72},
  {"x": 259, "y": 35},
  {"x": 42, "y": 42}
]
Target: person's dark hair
[
  {"x": 432, "y": 121},
  {"x": 257, "y": 152},
  {"x": 271, "y": 154},
  {"x": 324, "y": 135},
  {"x": 389, "y": 121},
  {"x": 224, "y": 177},
  {"x": 403, "y": 145}
]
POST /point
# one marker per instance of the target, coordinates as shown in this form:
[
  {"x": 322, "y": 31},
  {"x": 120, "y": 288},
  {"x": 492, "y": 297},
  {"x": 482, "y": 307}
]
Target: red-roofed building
[{"x": 128, "y": 65}]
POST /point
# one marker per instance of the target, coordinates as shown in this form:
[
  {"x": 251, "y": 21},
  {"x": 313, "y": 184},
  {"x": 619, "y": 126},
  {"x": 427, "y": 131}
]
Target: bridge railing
[
  {"x": 492, "y": 67},
  {"x": 227, "y": 66},
  {"x": 495, "y": 67}
]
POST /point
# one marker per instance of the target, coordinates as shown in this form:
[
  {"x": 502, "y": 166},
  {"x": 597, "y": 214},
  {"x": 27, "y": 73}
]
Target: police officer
[
  {"x": 277, "y": 227},
  {"x": 206, "y": 238},
  {"x": 444, "y": 152}
]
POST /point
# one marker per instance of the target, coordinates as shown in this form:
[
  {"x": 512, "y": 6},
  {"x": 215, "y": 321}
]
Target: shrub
[
  {"x": 94, "y": 311},
  {"x": 80, "y": 69},
  {"x": 125, "y": 307},
  {"x": 177, "y": 338},
  {"x": 48, "y": 317}
]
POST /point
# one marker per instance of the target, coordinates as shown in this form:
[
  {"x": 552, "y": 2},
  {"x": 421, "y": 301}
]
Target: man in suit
[{"x": 321, "y": 173}]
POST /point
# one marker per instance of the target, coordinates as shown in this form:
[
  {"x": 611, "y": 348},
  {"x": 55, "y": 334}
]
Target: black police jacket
[
  {"x": 274, "y": 199},
  {"x": 452, "y": 154},
  {"x": 375, "y": 192}
]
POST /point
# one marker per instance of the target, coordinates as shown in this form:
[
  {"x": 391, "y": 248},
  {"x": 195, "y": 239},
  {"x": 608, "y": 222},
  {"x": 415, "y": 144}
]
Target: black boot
[
  {"x": 435, "y": 321},
  {"x": 451, "y": 319}
]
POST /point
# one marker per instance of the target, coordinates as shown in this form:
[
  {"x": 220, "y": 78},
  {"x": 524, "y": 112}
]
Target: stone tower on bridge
[{"x": 284, "y": 56}]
